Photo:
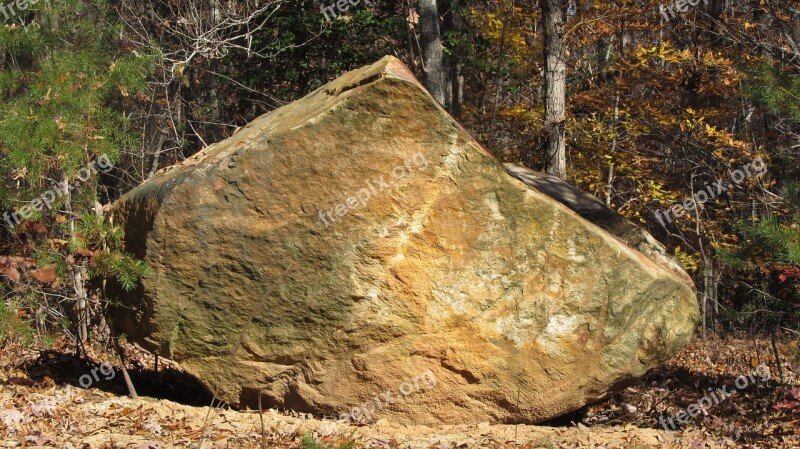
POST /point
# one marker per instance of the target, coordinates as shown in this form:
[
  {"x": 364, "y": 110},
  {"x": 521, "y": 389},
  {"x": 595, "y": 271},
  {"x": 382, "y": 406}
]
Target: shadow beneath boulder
[
  {"x": 167, "y": 383},
  {"x": 568, "y": 420}
]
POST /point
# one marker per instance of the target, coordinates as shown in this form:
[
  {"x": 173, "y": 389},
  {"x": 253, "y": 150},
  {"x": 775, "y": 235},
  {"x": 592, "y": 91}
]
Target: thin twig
[
  {"x": 261, "y": 417},
  {"x": 777, "y": 355}
]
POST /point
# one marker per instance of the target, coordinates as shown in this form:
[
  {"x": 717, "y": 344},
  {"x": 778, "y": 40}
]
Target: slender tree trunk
[
  {"x": 498, "y": 80},
  {"x": 717, "y": 8},
  {"x": 707, "y": 291},
  {"x": 125, "y": 375},
  {"x": 555, "y": 87},
  {"x": 410, "y": 35},
  {"x": 432, "y": 60},
  {"x": 777, "y": 354},
  {"x": 456, "y": 83},
  {"x": 610, "y": 180},
  {"x": 453, "y": 22},
  {"x": 706, "y": 261},
  {"x": 78, "y": 277},
  {"x": 627, "y": 38},
  {"x": 213, "y": 94},
  {"x": 715, "y": 296}
]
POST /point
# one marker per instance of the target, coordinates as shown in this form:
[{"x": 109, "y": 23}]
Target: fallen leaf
[
  {"x": 10, "y": 271},
  {"x": 46, "y": 275}
]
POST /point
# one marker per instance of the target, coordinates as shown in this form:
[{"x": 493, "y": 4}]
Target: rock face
[
  {"x": 357, "y": 247},
  {"x": 594, "y": 210}
]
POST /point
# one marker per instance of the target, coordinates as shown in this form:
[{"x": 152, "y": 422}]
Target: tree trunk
[
  {"x": 78, "y": 277},
  {"x": 498, "y": 80},
  {"x": 453, "y": 22},
  {"x": 432, "y": 60},
  {"x": 410, "y": 35},
  {"x": 555, "y": 87},
  {"x": 604, "y": 48},
  {"x": 82, "y": 305},
  {"x": 610, "y": 179},
  {"x": 213, "y": 95},
  {"x": 457, "y": 88}
]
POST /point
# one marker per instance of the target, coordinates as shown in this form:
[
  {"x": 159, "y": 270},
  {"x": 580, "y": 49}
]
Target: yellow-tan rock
[{"x": 358, "y": 240}]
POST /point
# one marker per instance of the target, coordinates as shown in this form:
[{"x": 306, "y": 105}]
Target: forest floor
[{"x": 43, "y": 405}]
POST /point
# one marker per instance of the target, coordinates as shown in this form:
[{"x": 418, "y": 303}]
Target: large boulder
[{"x": 357, "y": 241}]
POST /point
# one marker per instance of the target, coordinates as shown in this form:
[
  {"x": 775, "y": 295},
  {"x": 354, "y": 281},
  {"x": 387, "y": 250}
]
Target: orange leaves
[
  {"x": 46, "y": 275},
  {"x": 16, "y": 267},
  {"x": 10, "y": 266},
  {"x": 10, "y": 271},
  {"x": 723, "y": 138}
]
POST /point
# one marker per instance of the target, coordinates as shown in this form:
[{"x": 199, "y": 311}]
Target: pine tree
[{"x": 62, "y": 81}]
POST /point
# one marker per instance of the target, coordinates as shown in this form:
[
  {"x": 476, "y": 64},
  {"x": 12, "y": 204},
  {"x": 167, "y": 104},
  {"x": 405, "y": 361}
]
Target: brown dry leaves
[{"x": 38, "y": 413}]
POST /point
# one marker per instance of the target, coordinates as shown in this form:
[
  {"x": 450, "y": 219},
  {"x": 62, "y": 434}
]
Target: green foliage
[
  {"x": 4, "y": 318},
  {"x": 125, "y": 268},
  {"x": 779, "y": 240},
  {"x": 94, "y": 232},
  {"x": 768, "y": 260},
  {"x": 308, "y": 442},
  {"x": 57, "y": 91},
  {"x": 772, "y": 240},
  {"x": 64, "y": 78},
  {"x": 13, "y": 328},
  {"x": 777, "y": 90}
]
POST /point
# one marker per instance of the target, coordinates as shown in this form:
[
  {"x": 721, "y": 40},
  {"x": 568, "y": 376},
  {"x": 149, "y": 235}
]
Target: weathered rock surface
[
  {"x": 338, "y": 248},
  {"x": 594, "y": 210}
]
